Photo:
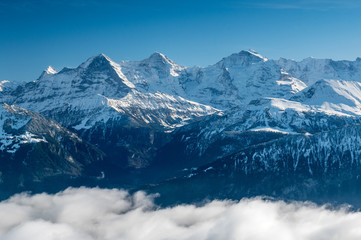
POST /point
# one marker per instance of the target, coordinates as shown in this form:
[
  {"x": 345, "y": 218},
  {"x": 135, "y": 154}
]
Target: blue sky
[{"x": 38, "y": 33}]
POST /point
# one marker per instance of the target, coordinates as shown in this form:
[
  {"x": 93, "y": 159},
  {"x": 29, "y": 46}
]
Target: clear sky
[{"x": 38, "y": 33}]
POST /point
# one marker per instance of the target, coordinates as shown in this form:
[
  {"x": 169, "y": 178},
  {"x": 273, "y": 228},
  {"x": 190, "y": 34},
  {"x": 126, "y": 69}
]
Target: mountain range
[{"x": 245, "y": 126}]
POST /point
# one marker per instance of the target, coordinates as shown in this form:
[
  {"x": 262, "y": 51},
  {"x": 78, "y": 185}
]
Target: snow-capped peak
[
  {"x": 102, "y": 63},
  {"x": 161, "y": 63},
  {"x": 157, "y": 56},
  {"x": 159, "y": 60},
  {"x": 243, "y": 58},
  {"x": 256, "y": 54},
  {"x": 50, "y": 70},
  {"x": 100, "y": 58}
]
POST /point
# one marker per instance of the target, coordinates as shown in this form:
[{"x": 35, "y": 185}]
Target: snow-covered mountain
[
  {"x": 98, "y": 102},
  {"x": 33, "y": 148},
  {"x": 97, "y": 91},
  {"x": 156, "y": 73},
  {"x": 233, "y": 81},
  {"x": 157, "y": 115},
  {"x": 312, "y": 69}
]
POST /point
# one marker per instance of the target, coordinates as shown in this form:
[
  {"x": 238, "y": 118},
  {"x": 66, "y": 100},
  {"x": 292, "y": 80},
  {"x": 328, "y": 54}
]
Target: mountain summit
[
  {"x": 243, "y": 58},
  {"x": 49, "y": 71}
]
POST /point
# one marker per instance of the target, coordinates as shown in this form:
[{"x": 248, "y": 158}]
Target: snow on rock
[
  {"x": 160, "y": 108},
  {"x": 50, "y": 70},
  {"x": 335, "y": 97},
  {"x": 73, "y": 94},
  {"x": 243, "y": 58},
  {"x": 276, "y": 130},
  {"x": 98, "y": 91},
  {"x": 12, "y": 119},
  {"x": 2, "y": 85},
  {"x": 242, "y": 100},
  {"x": 233, "y": 81},
  {"x": 311, "y": 69},
  {"x": 156, "y": 73},
  {"x": 7, "y": 86},
  {"x": 157, "y": 90},
  {"x": 104, "y": 63}
]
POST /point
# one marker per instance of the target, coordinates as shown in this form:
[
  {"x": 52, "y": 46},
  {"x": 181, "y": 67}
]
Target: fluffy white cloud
[{"x": 84, "y": 213}]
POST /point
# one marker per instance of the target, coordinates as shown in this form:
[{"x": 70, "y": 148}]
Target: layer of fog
[{"x": 83, "y": 213}]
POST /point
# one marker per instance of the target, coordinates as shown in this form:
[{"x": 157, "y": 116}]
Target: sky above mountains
[{"x": 38, "y": 33}]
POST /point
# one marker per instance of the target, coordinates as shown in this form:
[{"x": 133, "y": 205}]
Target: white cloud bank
[{"x": 83, "y": 213}]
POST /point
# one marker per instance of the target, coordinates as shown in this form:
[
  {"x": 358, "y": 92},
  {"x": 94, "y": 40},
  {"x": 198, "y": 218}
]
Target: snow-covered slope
[
  {"x": 236, "y": 79},
  {"x": 33, "y": 147},
  {"x": 311, "y": 69},
  {"x": 78, "y": 87},
  {"x": 333, "y": 97},
  {"x": 233, "y": 81},
  {"x": 160, "y": 109},
  {"x": 325, "y": 106},
  {"x": 97, "y": 91},
  {"x": 156, "y": 73},
  {"x": 240, "y": 78},
  {"x": 91, "y": 90}
]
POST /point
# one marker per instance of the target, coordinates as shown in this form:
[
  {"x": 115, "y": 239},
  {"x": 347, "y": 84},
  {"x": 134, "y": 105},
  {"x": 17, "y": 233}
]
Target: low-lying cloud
[{"x": 87, "y": 214}]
